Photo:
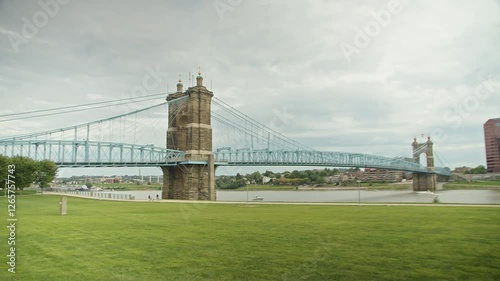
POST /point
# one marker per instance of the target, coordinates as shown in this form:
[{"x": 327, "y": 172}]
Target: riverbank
[
  {"x": 486, "y": 185},
  {"x": 363, "y": 186}
]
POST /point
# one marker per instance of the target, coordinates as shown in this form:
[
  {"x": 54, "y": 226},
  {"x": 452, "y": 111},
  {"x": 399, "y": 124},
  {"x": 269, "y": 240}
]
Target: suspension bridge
[{"x": 137, "y": 139}]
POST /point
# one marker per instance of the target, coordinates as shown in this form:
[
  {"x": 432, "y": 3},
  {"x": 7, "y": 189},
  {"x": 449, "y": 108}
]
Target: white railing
[{"x": 102, "y": 195}]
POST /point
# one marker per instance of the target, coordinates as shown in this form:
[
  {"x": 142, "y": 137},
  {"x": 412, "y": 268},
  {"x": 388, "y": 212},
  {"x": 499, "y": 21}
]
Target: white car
[{"x": 83, "y": 188}]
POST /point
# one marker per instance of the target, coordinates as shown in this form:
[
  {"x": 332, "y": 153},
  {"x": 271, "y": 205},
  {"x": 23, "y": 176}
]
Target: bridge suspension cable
[
  {"x": 440, "y": 161},
  {"x": 421, "y": 148},
  {"x": 34, "y": 135},
  {"x": 77, "y": 108},
  {"x": 252, "y": 130}
]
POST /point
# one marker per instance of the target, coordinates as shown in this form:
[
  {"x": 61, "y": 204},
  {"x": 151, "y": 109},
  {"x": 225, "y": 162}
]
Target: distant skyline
[{"x": 351, "y": 76}]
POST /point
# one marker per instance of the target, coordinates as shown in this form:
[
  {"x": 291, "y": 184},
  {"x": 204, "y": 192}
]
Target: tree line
[
  {"x": 478, "y": 170},
  {"x": 286, "y": 178},
  {"x": 27, "y": 171}
]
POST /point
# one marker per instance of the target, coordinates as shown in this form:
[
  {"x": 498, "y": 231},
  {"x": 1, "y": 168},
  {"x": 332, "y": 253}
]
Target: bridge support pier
[
  {"x": 189, "y": 181},
  {"x": 424, "y": 182},
  {"x": 190, "y": 130}
]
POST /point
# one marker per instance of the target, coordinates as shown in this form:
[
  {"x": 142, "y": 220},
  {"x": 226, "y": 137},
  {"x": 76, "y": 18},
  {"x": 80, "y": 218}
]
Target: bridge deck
[{"x": 108, "y": 154}]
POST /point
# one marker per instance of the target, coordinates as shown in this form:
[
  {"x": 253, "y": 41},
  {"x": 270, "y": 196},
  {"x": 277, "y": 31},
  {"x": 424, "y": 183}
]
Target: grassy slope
[
  {"x": 494, "y": 184},
  {"x": 101, "y": 240},
  {"x": 377, "y": 186}
]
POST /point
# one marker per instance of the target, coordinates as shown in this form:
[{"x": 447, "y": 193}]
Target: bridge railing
[
  {"x": 79, "y": 153},
  {"x": 249, "y": 157}
]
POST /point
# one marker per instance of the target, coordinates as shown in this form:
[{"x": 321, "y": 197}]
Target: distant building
[
  {"x": 461, "y": 170},
  {"x": 372, "y": 174},
  {"x": 492, "y": 145},
  {"x": 266, "y": 179},
  {"x": 113, "y": 180}
]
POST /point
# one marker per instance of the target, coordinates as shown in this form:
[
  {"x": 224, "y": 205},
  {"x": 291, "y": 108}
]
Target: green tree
[
  {"x": 230, "y": 182},
  {"x": 295, "y": 174},
  {"x": 28, "y": 171},
  {"x": 24, "y": 172},
  {"x": 45, "y": 173},
  {"x": 478, "y": 170},
  {"x": 324, "y": 173},
  {"x": 256, "y": 176},
  {"x": 3, "y": 171},
  {"x": 268, "y": 174},
  {"x": 321, "y": 180}
]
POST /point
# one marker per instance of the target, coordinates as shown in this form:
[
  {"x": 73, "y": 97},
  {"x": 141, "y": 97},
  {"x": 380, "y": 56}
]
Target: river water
[{"x": 365, "y": 196}]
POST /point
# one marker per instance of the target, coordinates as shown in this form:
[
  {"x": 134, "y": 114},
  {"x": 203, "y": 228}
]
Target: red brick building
[
  {"x": 492, "y": 144},
  {"x": 372, "y": 174}
]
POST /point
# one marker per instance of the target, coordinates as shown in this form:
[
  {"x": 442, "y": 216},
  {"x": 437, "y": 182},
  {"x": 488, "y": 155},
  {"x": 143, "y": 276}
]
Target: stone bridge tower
[
  {"x": 424, "y": 181},
  {"x": 190, "y": 130}
]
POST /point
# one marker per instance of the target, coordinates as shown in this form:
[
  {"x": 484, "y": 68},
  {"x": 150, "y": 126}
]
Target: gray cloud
[{"x": 264, "y": 57}]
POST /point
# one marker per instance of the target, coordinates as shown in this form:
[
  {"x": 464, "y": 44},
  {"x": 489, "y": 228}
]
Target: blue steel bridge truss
[
  {"x": 264, "y": 157},
  {"x": 91, "y": 154},
  {"x": 108, "y": 154}
]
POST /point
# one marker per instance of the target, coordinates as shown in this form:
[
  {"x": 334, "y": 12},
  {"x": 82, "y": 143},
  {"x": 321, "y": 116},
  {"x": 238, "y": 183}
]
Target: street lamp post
[{"x": 359, "y": 193}]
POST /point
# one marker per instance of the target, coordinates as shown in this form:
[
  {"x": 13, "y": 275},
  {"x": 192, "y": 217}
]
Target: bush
[{"x": 230, "y": 182}]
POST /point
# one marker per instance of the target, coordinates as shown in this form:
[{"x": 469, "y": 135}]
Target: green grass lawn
[
  {"x": 493, "y": 184},
  {"x": 104, "y": 240},
  {"x": 20, "y": 192}
]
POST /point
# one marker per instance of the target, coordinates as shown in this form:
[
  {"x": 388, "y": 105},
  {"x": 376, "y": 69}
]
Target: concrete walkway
[{"x": 282, "y": 203}]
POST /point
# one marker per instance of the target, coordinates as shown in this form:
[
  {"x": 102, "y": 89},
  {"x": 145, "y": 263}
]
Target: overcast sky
[{"x": 359, "y": 76}]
